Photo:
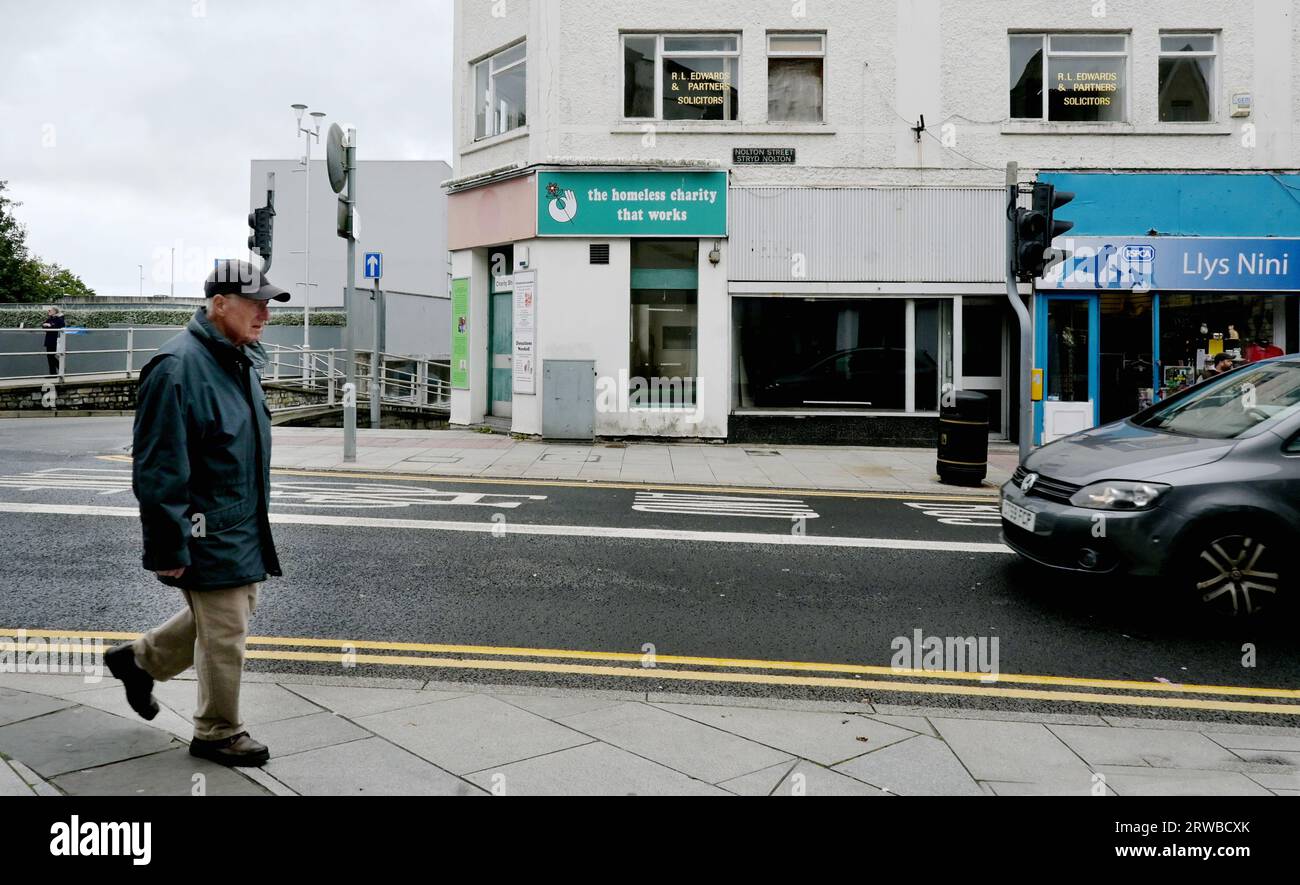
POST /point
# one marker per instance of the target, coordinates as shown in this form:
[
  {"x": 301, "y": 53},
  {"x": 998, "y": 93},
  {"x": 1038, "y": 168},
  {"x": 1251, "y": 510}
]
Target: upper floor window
[
  {"x": 1188, "y": 93},
  {"x": 681, "y": 76},
  {"x": 796, "y": 77},
  {"x": 501, "y": 92},
  {"x": 1069, "y": 78}
]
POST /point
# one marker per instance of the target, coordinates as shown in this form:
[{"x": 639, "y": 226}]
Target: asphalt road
[{"x": 616, "y": 571}]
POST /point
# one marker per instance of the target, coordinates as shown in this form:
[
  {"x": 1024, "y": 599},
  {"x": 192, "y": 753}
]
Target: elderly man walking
[{"x": 202, "y": 476}]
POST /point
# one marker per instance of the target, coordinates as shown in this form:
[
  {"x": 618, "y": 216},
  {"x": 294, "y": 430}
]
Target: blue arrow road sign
[{"x": 374, "y": 265}]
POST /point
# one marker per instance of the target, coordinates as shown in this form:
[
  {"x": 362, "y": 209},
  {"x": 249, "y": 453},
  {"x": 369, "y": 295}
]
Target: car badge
[{"x": 1028, "y": 483}]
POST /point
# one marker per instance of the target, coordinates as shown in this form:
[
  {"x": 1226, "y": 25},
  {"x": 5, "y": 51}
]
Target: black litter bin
[{"x": 964, "y": 440}]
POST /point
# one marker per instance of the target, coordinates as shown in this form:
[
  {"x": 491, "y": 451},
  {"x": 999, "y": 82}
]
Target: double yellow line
[{"x": 621, "y": 665}]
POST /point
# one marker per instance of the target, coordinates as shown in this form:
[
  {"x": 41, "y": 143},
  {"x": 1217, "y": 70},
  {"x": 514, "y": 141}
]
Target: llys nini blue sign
[{"x": 1178, "y": 264}]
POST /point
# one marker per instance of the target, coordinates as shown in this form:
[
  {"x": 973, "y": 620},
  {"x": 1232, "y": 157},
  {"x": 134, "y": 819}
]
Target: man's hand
[{"x": 172, "y": 573}]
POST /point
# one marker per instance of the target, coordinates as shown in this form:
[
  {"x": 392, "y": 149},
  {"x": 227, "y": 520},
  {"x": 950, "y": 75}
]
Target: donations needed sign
[{"x": 632, "y": 204}]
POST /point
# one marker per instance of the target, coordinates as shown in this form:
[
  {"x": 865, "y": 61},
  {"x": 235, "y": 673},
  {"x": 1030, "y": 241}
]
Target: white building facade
[{"x": 766, "y": 220}]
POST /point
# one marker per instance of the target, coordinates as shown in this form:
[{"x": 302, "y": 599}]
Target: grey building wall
[
  {"x": 416, "y": 325},
  {"x": 403, "y": 213}
]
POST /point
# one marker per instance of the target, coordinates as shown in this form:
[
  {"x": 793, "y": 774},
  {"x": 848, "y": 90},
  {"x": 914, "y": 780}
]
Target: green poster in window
[
  {"x": 632, "y": 204},
  {"x": 460, "y": 334}
]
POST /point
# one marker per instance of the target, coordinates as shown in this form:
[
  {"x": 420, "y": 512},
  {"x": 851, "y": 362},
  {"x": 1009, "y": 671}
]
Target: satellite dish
[{"x": 336, "y": 157}]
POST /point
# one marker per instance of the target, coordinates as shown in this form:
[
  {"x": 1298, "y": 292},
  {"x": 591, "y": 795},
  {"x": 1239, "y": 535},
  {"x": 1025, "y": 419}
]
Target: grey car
[{"x": 1201, "y": 490}]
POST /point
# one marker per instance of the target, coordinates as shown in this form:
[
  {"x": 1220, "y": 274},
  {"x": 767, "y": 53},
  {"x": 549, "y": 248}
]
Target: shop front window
[
  {"x": 664, "y": 349},
  {"x": 839, "y": 354},
  {"x": 1196, "y": 329}
]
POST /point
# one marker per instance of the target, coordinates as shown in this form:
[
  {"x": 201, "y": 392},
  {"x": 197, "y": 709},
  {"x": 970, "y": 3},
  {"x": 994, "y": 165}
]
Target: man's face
[{"x": 240, "y": 319}]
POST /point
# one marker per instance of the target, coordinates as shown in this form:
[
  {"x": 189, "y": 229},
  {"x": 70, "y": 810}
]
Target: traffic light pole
[
  {"x": 1022, "y": 313},
  {"x": 350, "y": 297}
]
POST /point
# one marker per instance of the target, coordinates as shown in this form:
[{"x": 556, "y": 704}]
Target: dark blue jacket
[
  {"x": 50, "y": 325},
  {"x": 202, "y": 470}
]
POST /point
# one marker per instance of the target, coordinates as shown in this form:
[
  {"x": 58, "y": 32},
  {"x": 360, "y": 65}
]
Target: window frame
[
  {"x": 660, "y": 55},
  {"x": 822, "y": 54},
  {"x": 1214, "y": 54},
  {"x": 489, "y": 100},
  {"x": 1048, "y": 55}
]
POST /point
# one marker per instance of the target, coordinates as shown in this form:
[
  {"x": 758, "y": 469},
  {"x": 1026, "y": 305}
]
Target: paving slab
[
  {"x": 16, "y": 706},
  {"x": 77, "y": 738},
  {"x": 472, "y": 733},
  {"x": 1270, "y": 757},
  {"x": 918, "y": 724},
  {"x": 1280, "y": 743},
  {"x": 595, "y": 769},
  {"x": 1137, "y": 781},
  {"x": 557, "y": 707},
  {"x": 356, "y": 702},
  {"x": 680, "y": 743},
  {"x": 11, "y": 784},
  {"x": 288, "y": 736},
  {"x": 804, "y": 778},
  {"x": 919, "y": 766},
  {"x": 1276, "y": 780},
  {"x": 1050, "y": 788},
  {"x": 824, "y": 738},
  {"x": 372, "y": 767},
  {"x": 48, "y": 683},
  {"x": 112, "y": 699},
  {"x": 259, "y": 702},
  {"x": 1108, "y": 745},
  {"x": 169, "y": 773},
  {"x": 1020, "y": 752}
]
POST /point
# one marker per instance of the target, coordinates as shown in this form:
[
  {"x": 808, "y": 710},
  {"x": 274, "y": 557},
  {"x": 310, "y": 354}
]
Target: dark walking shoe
[
  {"x": 237, "y": 751},
  {"x": 139, "y": 684}
]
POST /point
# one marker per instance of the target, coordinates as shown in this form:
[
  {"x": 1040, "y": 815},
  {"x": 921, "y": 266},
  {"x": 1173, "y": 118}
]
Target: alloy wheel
[{"x": 1236, "y": 575}]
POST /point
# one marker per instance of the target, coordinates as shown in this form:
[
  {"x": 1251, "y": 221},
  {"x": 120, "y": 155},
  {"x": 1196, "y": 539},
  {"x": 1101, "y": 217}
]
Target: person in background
[
  {"x": 54, "y": 320},
  {"x": 1222, "y": 363},
  {"x": 1260, "y": 349}
]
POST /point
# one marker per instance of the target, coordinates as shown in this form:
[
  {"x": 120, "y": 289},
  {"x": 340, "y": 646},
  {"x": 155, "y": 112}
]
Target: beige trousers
[{"x": 209, "y": 633}]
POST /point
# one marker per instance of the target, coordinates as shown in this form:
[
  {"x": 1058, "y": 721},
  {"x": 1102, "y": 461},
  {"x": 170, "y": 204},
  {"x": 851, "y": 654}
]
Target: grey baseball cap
[{"x": 231, "y": 277}]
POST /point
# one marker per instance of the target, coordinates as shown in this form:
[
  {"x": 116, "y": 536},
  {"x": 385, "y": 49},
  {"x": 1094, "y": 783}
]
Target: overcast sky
[{"x": 127, "y": 127}]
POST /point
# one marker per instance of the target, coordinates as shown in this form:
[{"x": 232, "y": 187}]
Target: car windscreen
[{"x": 1250, "y": 399}]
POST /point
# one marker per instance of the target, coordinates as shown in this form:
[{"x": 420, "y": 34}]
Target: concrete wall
[
  {"x": 889, "y": 61},
  {"x": 416, "y": 325},
  {"x": 77, "y": 361},
  {"x": 403, "y": 213}
]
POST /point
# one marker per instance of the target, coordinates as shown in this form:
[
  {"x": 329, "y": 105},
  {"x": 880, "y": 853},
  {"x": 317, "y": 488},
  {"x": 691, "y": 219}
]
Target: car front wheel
[{"x": 1238, "y": 574}]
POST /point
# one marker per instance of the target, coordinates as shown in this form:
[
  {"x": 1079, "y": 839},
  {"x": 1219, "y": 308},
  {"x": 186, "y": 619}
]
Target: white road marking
[
  {"x": 986, "y": 516},
  {"x": 720, "y": 505},
  {"x": 290, "y": 494},
  {"x": 375, "y": 495},
  {"x": 574, "y": 531}
]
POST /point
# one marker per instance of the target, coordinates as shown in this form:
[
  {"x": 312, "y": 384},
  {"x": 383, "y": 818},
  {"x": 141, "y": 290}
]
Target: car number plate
[{"x": 1019, "y": 516}]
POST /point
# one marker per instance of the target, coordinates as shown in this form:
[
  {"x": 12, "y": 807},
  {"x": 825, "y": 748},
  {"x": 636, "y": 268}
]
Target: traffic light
[
  {"x": 262, "y": 222},
  {"x": 1037, "y": 228}
]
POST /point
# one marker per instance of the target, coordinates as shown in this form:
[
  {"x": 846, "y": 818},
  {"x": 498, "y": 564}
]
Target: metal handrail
[{"x": 428, "y": 386}]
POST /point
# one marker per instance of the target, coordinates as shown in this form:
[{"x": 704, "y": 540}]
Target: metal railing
[{"x": 402, "y": 380}]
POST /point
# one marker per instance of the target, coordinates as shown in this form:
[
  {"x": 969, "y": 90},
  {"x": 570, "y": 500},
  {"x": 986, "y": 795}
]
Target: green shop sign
[{"x": 632, "y": 204}]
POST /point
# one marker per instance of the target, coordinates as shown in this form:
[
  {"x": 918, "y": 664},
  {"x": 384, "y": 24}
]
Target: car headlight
[{"x": 1118, "y": 495}]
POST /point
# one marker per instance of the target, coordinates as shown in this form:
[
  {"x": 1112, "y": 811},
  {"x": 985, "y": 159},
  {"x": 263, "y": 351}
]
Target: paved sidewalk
[
  {"x": 464, "y": 453},
  {"x": 365, "y": 736}
]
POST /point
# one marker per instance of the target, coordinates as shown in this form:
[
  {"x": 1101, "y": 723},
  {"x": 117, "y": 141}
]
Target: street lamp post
[
  {"x": 141, "y": 266},
  {"x": 308, "y": 135}
]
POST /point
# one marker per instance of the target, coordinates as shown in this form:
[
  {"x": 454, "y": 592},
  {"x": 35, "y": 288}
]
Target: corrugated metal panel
[{"x": 908, "y": 235}]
